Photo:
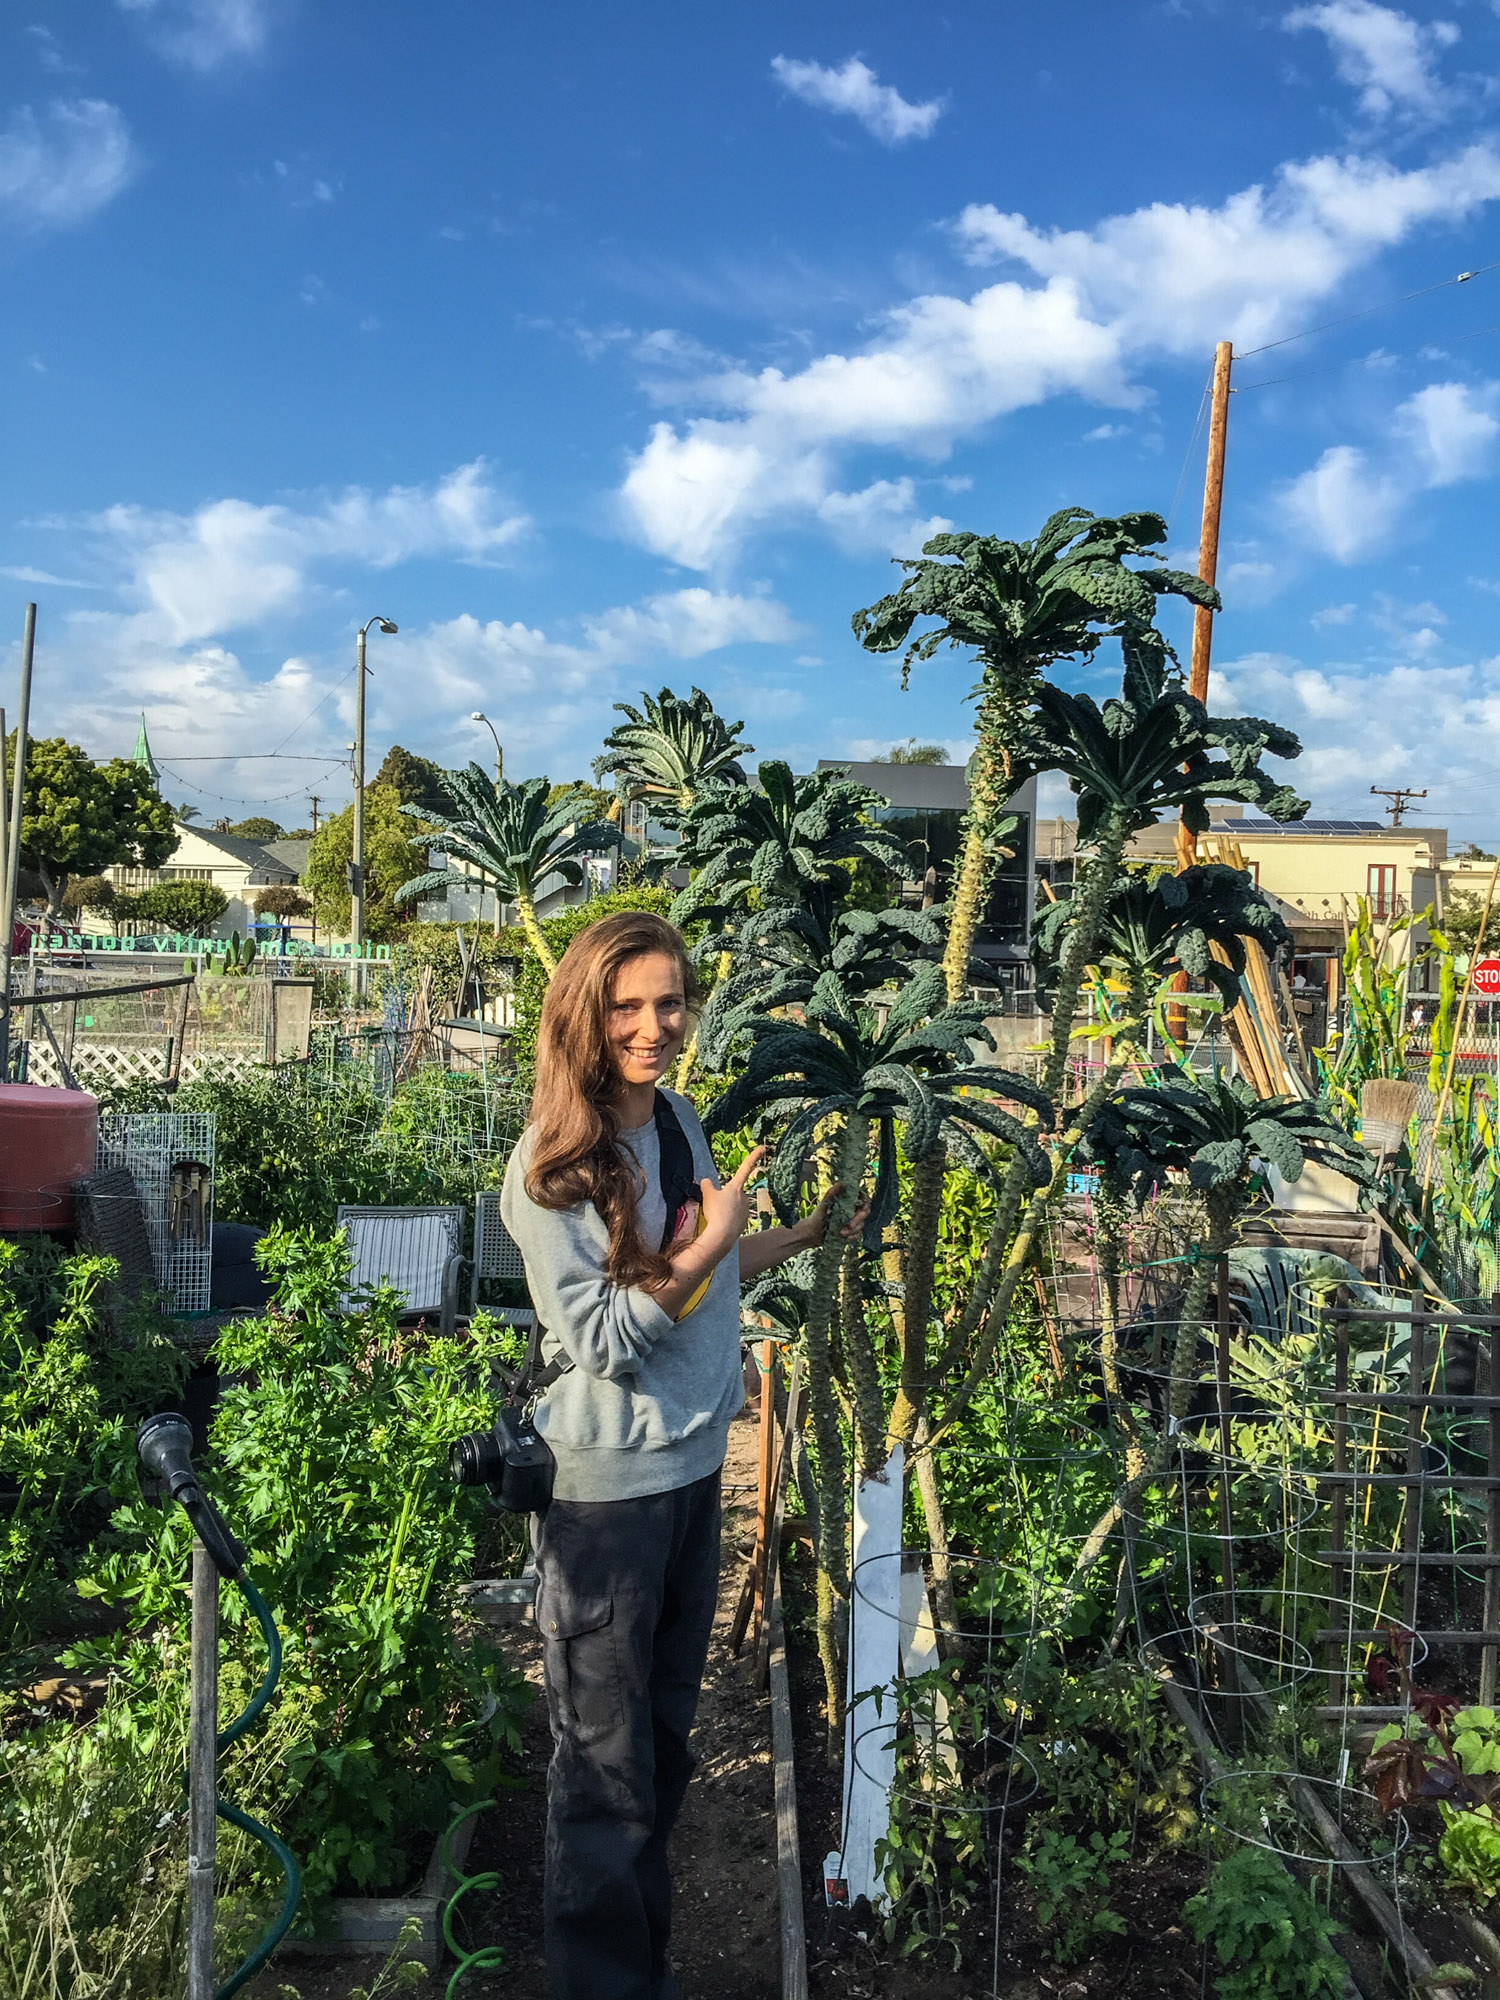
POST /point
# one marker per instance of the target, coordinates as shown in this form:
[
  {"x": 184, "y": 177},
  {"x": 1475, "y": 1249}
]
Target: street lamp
[
  {"x": 357, "y": 871},
  {"x": 480, "y": 716}
]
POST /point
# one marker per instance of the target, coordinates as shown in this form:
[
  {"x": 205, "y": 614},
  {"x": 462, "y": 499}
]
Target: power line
[
  {"x": 257, "y": 756},
  {"x": 1364, "y": 312},
  {"x": 311, "y": 712},
  {"x": 1336, "y": 367},
  {"x": 238, "y": 799}
]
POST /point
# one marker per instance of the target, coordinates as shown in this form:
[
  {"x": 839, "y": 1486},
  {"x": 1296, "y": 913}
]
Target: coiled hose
[
  {"x": 247, "y": 1719},
  {"x": 490, "y": 1955}
]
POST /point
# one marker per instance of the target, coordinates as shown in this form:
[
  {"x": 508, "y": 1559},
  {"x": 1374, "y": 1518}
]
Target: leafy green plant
[
  {"x": 188, "y": 906},
  {"x": 70, "y": 1394},
  {"x": 1018, "y": 606},
  {"x": 1271, "y": 1939},
  {"x": 1069, "y": 1876},
  {"x": 512, "y": 835},
  {"x": 329, "y": 1454},
  {"x": 669, "y": 748},
  {"x": 786, "y": 840}
]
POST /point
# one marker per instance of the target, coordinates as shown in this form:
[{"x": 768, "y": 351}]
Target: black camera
[{"x": 513, "y": 1460}]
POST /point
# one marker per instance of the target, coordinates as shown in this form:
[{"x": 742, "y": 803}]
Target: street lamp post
[
  {"x": 480, "y": 716},
  {"x": 357, "y": 879}
]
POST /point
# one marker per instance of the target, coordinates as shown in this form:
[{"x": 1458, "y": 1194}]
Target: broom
[{"x": 1386, "y": 1105}]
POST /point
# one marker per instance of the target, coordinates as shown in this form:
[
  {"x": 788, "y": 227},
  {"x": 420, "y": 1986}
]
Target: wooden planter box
[{"x": 368, "y": 1926}]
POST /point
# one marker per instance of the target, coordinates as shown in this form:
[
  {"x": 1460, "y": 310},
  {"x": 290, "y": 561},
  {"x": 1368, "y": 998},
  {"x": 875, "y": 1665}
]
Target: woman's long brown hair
[{"x": 575, "y": 1126}]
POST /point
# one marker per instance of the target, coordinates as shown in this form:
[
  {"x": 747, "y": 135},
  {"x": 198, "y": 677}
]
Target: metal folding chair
[{"x": 418, "y": 1250}]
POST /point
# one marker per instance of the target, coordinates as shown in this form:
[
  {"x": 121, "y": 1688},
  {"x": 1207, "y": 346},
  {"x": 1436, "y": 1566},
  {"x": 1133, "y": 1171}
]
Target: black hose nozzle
[{"x": 165, "y": 1444}]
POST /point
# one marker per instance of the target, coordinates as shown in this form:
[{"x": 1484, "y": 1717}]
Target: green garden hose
[
  {"x": 289, "y": 1868},
  {"x": 490, "y": 1955}
]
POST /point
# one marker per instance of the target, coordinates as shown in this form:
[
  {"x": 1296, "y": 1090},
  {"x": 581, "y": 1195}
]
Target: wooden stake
[
  {"x": 1208, "y": 554},
  {"x": 753, "y": 1590}
]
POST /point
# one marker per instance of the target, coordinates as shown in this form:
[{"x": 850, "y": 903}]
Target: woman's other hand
[{"x": 811, "y": 1230}]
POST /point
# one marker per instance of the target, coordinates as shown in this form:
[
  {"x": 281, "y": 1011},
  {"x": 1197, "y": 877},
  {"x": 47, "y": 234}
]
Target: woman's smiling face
[{"x": 646, "y": 1019}]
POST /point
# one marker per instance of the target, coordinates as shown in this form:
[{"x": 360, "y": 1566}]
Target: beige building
[
  {"x": 241, "y": 868},
  {"x": 1317, "y": 869}
]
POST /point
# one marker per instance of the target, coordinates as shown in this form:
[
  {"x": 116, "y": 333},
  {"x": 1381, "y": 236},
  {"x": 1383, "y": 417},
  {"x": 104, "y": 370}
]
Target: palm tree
[
  {"x": 514, "y": 836},
  {"x": 1019, "y": 606},
  {"x": 842, "y": 1065},
  {"x": 670, "y": 749},
  {"x": 785, "y": 841}
]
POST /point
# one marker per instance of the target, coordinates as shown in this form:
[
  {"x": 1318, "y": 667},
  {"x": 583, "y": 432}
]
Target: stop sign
[{"x": 1487, "y": 976}]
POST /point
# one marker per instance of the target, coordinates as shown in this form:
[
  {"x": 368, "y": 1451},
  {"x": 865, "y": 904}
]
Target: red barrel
[{"x": 48, "y": 1139}]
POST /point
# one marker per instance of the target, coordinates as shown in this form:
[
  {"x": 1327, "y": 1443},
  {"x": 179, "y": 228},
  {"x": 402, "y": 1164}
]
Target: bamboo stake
[
  {"x": 1208, "y": 555},
  {"x": 1458, "y": 1025}
]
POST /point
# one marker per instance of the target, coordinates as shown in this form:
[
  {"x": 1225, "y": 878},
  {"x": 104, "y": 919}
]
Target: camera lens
[{"x": 476, "y": 1459}]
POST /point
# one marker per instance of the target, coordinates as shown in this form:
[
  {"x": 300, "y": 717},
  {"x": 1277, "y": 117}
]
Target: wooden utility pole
[{"x": 1208, "y": 554}]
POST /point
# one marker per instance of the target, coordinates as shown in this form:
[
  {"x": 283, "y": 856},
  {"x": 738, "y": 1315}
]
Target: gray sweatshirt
[{"x": 646, "y": 1405}]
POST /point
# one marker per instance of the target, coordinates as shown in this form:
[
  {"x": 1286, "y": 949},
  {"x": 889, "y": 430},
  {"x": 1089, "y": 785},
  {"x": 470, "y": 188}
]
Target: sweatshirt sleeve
[{"x": 605, "y": 1330}]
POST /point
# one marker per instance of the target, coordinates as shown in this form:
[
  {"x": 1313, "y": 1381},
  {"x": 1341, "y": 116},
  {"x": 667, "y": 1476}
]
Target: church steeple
[{"x": 142, "y": 755}]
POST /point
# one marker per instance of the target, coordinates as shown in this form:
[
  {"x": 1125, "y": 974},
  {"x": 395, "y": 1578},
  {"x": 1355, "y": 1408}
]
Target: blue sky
[{"x": 605, "y": 348}]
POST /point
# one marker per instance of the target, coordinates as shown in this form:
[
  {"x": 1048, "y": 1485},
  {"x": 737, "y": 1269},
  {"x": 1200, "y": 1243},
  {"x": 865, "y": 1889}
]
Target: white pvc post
[{"x": 874, "y": 1662}]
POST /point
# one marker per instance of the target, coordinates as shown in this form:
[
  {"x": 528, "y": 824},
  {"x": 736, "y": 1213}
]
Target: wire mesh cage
[{"x": 169, "y": 1157}]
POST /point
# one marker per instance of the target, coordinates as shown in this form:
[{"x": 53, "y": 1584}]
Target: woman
[{"x": 640, "y": 1301}]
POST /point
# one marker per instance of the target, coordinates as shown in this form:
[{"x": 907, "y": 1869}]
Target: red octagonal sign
[{"x": 1487, "y": 976}]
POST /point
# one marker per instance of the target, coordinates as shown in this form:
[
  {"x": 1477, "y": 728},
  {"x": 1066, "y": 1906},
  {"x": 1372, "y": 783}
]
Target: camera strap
[{"x": 679, "y": 1186}]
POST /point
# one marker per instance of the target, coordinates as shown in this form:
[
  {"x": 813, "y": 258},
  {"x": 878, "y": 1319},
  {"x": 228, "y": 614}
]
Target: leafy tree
[
  {"x": 588, "y": 801},
  {"x": 284, "y": 900},
  {"x": 393, "y": 850},
  {"x": 516, "y": 838},
  {"x": 89, "y": 892},
  {"x": 258, "y": 827},
  {"x": 791, "y": 838},
  {"x": 79, "y": 817},
  {"x": 1462, "y": 909},
  {"x": 415, "y": 780},
  {"x": 913, "y": 752},
  {"x": 1019, "y": 606},
  {"x": 184, "y": 813},
  {"x": 194, "y": 907},
  {"x": 670, "y": 749}
]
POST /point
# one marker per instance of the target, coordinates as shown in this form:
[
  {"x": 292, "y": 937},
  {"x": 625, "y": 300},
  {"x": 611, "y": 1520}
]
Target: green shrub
[
  {"x": 70, "y": 1396},
  {"x": 329, "y": 1457},
  {"x": 1272, "y": 1939},
  {"x": 193, "y": 907}
]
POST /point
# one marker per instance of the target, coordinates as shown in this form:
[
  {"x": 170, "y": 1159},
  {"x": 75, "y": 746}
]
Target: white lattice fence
[{"x": 107, "y": 1064}]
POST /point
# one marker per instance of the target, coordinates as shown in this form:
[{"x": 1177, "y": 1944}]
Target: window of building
[{"x": 1382, "y": 888}]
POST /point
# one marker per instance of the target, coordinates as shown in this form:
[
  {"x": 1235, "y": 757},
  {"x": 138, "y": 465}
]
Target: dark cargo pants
[{"x": 625, "y": 1601}]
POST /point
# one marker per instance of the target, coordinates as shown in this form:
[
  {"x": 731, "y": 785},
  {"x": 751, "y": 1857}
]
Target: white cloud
[
  {"x": 1177, "y": 278},
  {"x": 234, "y": 563},
  {"x": 61, "y": 168},
  {"x": 1164, "y": 279},
  {"x": 183, "y": 584},
  {"x": 687, "y": 624},
  {"x": 1385, "y": 55},
  {"x": 1332, "y": 614},
  {"x": 203, "y": 34},
  {"x": 1448, "y": 738},
  {"x": 855, "y": 91},
  {"x": 1349, "y": 503}
]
